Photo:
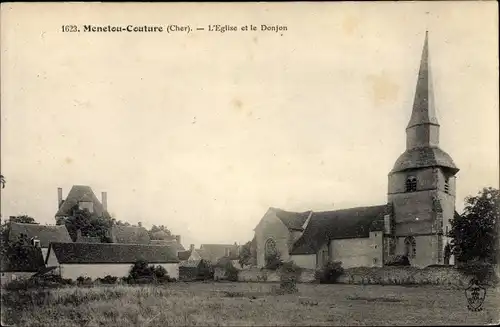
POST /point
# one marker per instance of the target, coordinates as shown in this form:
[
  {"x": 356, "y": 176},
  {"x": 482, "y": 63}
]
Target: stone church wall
[
  {"x": 358, "y": 252},
  {"x": 271, "y": 227}
]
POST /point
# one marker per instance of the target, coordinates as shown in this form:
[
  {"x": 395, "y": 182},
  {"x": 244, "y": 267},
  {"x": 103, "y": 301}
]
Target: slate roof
[
  {"x": 129, "y": 235},
  {"x": 103, "y": 253},
  {"x": 424, "y": 157},
  {"x": 213, "y": 252},
  {"x": 172, "y": 243},
  {"x": 292, "y": 220},
  {"x": 33, "y": 263},
  {"x": 339, "y": 224},
  {"x": 44, "y": 233},
  {"x": 77, "y": 194}
]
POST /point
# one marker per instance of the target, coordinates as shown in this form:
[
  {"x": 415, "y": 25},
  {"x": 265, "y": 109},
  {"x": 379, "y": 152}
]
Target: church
[{"x": 414, "y": 222}]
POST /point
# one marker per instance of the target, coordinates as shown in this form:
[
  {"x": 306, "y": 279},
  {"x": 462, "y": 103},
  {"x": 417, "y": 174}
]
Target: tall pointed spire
[
  {"x": 423, "y": 127},
  {"x": 422, "y": 133},
  {"x": 424, "y": 111}
]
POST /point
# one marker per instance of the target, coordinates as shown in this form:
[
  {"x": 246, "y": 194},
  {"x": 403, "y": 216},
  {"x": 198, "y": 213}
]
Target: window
[
  {"x": 392, "y": 246},
  {"x": 411, "y": 184},
  {"x": 447, "y": 185},
  {"x": 410, "y": 247},
  {"x": 270, "y": 247}
]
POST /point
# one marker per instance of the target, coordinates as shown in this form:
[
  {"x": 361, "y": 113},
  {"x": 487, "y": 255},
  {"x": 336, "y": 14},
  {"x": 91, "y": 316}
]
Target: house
[
  {"x": 413, "y": 222},
  {"x": 192, "y": 266},
  {"x": 213, "y": 252},
  {"x": 42, "y": 234},
  {"x": 97, "y": 260},
  {"x": 81, "y": 197},
  {"x": 173, "y": 241},
  {"x": 197, "y": 269},
  {"x": 13, "y": 267},
  {"x": 189, "y": 255}
]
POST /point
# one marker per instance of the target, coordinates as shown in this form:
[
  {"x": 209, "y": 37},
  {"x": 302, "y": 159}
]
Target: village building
[
  {"x": 174, "y": 241},
  {"x": 97, "y": 260},
  {"x": 189, "y": 255},
  {"x": 13, "y": 267},
  {"x": 81, "y": 197},
  {"x": 192, "y": 266},
  {"x": 213, "y": 252},
  {"x": 223, "y": 267},
  {"x": 414, "y": 222},
  {"x": 39, "y": 235}
]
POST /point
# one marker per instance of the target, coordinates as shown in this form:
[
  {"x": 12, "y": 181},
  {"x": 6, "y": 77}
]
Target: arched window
[
  {"x": 410, "y": 247},
  {"x": 411, "y": 184},
  {"x": 270, "y": 247}
]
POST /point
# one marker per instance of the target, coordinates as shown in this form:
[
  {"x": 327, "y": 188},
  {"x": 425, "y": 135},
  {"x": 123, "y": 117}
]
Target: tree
[
  {"x": 2, "y": 180},
  {"x": 159, "y": 232},
  {"x": 88, "y": 223},
  {"x": 474, "y": 233},
  {"x": 23, "y": 219},
  {"x": 245, "y": 256}
]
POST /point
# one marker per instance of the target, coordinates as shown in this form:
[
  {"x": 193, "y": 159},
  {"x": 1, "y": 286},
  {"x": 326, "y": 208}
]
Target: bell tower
[{"x": 421, "y": 188}]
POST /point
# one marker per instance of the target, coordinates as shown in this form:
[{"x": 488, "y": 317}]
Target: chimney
[
  {"x": 178, "y": 238},
  {"x": 59, "y": 197},
  {"x": 104, "y": 196},
  {"x": 191, "y": 247}
]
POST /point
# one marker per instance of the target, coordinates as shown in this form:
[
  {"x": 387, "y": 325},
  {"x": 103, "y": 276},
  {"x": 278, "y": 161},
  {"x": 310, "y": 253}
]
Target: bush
[
  {"x": 398, "y": 260},
  {"x": 289, "y": 275},
  {"x": 108, "y": 279},
  {"x": 482, "y": 271},
  {"x": 84, "y": 281},
  {"x": 232, "y": 273},
  {"x": 330, "y": 273},
  {"x": 273, "y": 261},
  {"x": 48, "y": 281},
  {"x": 142, "y": 273}
]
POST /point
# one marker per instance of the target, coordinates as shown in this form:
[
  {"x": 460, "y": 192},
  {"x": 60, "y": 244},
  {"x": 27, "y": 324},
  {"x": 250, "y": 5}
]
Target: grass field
[{"x": 244, "y": 304}]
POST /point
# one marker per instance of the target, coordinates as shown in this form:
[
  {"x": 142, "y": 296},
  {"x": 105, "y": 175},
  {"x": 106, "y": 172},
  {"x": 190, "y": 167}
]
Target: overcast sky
[{"x": 203, "y": 132}]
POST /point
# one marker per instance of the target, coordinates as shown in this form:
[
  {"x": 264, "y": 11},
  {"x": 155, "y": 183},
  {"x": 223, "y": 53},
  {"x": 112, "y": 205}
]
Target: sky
[{"x": 203, "y": 132}]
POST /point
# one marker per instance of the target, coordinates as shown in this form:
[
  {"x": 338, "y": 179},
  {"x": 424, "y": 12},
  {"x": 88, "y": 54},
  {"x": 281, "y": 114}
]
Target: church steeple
[
  {"x": 423, "y": 127},
  {"x": 422, "y": 132}
]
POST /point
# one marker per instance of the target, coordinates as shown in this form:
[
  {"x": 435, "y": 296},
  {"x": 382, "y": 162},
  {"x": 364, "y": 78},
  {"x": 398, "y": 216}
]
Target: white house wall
[
  {"x": 73, "y": 271},
  {"x": 307, "y": 261}
]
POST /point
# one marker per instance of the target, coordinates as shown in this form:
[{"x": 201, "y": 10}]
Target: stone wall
[
  {"x": 405, "y": 276},
  {"x": 265, "y": 275}
]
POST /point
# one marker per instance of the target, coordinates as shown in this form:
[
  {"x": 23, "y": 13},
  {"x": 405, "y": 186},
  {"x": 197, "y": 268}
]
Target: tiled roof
[
  {"x": 292, "y": 220},
  {"x": 32, "y": 263},
  {"x": 111, "y": 253},
  {"x": 129, "y": 235},
  {"x": 44, "y": 233},
  {"x": 190, "y": 263},
  {"x": 424, "y": 157},
  {"x": 339, "y": 224},
  {"x": 79, "y": 193},
  {"x": 184, "y": 255}
]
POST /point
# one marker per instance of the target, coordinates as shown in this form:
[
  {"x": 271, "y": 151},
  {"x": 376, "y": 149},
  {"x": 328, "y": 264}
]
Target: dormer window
[
  {"x": 82, "y": 205},
  {"x": 411, "y": 184}
]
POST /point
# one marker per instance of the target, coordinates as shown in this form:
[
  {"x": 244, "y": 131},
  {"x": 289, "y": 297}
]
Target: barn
[{"x": 97, "y": 260}]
